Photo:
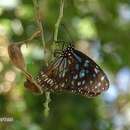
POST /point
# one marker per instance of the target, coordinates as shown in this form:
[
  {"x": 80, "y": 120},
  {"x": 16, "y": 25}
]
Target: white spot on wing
[
  {"x": 79, "y": 83},
  {"x": 72, "y": 82},
  {"x": 96, "y": 70},
  {"x": 91, "y": 81},
  {"x": 102, "y": 78},
  {"x": 75, "y": 77},
  {"x": 99, "y": 84},
  {"x": 106, "y": 84},
  {"x": 83, "y": 82},
  {"x": 62, "y": 85}
]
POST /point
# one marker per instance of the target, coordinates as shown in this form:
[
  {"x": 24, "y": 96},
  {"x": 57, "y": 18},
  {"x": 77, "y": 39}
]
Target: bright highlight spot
[
  {"x": 111, "y": 94},
  {"x": 10, "y": 76},
  {"x": 123, "y": 79},
  {"x": 86, "y": 28},
  {"x": 9, "y": 3},
  {"x": 17, "y": 27}
]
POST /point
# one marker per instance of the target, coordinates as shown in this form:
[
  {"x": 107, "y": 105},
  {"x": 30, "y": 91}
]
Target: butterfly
[{"x": 74, "y": 72}]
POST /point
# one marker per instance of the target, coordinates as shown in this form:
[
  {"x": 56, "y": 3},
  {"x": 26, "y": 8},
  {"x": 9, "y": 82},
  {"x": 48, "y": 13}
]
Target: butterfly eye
[{"x": 74, "y": 72}]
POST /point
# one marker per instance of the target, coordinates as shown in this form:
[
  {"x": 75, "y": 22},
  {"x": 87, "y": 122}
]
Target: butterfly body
[{"x": 74, "y": 72}]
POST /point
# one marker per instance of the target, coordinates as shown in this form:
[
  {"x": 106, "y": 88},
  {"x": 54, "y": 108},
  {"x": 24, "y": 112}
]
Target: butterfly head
[{"x": 68, "y": 51}]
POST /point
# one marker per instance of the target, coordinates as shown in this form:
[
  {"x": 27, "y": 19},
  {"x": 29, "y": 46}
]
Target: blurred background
[{"x": 100, "y": 29}]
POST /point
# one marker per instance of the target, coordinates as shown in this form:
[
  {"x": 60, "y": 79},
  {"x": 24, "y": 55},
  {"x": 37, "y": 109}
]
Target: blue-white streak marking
[
  {"x": 77, "y": 66},
  {"x": 86, "y": 64},
  {"x": 82, "y": 73},
  {"x": 77, "y": 57}
]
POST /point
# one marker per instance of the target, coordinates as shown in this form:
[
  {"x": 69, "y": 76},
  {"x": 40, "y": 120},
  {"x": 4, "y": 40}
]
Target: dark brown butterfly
[{"x": 74, "y": 72}]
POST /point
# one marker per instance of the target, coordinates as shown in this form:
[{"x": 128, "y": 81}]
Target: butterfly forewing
[{"x": 87, "y": 76}]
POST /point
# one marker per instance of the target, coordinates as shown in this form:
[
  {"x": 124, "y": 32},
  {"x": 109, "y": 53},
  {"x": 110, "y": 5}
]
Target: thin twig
[
  {"x": 39, "y": 22},
  {"x": 46, "y": 104},
  {"x": 59, "y": 20},
  {"x": 32, "y": 37},
  {"x": 57, "y": 24}
]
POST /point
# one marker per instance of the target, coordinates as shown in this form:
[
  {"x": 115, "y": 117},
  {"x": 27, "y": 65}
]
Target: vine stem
[
  {"x": 39, "y": 22},
  {"x": 36, "y": 6},
  {"x": 57, "y": 24},
  {"x": 46, "y": 104},
  {"x": 59, "y": 20}
]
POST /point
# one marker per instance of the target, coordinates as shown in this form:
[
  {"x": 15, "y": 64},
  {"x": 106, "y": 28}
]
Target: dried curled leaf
[{"x": 16, "y": 56}]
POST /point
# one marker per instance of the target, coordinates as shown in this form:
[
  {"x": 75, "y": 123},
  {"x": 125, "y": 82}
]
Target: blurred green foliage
[{"x": 86, "y": 20}]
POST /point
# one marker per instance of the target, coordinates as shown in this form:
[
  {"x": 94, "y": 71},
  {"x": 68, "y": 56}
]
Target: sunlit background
[{"x": 100, "y": 29}]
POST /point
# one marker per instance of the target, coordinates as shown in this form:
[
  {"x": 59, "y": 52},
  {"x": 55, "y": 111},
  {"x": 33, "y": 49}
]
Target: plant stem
[
  {"x": 47, "y": 94},
  {"x": 46, "y": 104},
  {"x": 39, "y": 22},
  {"x": 28, "y": 40},
  {"x": 46, "y": 111},
  {"x": 59, "y": 20}
]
